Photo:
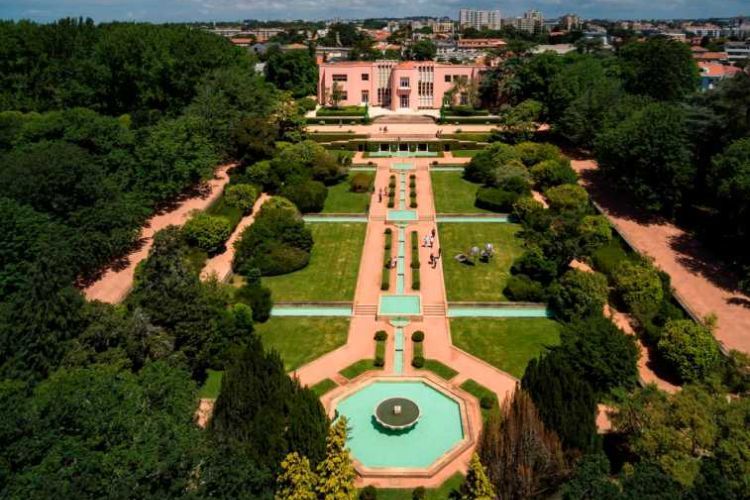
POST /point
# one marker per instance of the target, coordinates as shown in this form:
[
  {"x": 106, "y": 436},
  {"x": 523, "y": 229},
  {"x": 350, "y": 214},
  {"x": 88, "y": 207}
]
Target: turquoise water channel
[{"x": 437, "y": 431}]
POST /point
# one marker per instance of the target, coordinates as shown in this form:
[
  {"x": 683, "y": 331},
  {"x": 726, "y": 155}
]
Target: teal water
[
  {"x": 446, "y": 169},
  {"x": 402, "y": 215},
  {"x": 403, "y": 166},
  {"x": 337, "y": 218},
  {"x": 398, "y": 351},
  {"x": 363, "y": 169},
  {"x": 469, "y": 218},
  {"x": 437, "y": 431},
  {"x": 399, "y": 305},
  {"x": 403, "y": 154},
  {"x": 498, "y": 312},
  {"x": 311, "y": 311}
]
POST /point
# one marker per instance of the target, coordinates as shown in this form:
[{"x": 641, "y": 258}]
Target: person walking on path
[
  {"x": 380, "y": 195},
  {"x": 432, "y": 259},
  {"x": 425, "y": 241},
  {"x": 440, "y": 252},
  {"x": 433, "y": 233}
]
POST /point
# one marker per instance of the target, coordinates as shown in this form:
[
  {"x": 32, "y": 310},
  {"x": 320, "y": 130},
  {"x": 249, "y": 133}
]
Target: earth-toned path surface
[
  {"x": 117, "y": 280},
  {"x": 698, "y": 279}
]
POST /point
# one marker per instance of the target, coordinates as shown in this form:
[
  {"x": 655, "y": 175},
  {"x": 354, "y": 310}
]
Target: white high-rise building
[
  {"x": 479, "y": 19},
  {"x": 531, "y": 22}
]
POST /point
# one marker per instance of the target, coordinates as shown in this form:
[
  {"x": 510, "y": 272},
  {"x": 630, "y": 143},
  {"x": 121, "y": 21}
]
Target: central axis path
[{"x": 434, "y": 321}]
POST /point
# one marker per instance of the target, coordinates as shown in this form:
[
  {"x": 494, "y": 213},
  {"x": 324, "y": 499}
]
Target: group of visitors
[
  {"x": 428, "y": 242},
  {"x": 383, "y": 130}
]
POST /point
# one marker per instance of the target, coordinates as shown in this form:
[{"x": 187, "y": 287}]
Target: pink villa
[{"x": 395, "y": 85}]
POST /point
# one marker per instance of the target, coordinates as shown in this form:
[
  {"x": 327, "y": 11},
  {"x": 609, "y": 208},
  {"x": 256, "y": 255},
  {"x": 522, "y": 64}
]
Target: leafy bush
[
  {"x": 551, "y": 173},
  {"x": 487, "y": 402},
  {"x": 535, "y": 265},
  {"x": 342, "y": 111},
  {"x": 360, "y": 182},
  {"x": 388, "y": 238},
  {"x": 578, "y": 294},
  {"x": 309, "y": 196},
  {"x": 207, "y": 232},
  {"x": 385, "y": 279},
  {"x": 466, "y": 111},
  {"x": 690, "y": 349},
  {"x": 595, "y": 232},
  {"x": 276, "y": 243},
  {"x": 608, "y": 257},
  {"x": 368, "y": 493},
  {"x": 531, "y": 153},
  {"x": 258, "y": 298},
  {"x": 495, "y": 199},
  {"x": 567, "y": 197},
  {"x": 521, "y": 288},
  {"x": 307, "y": 104},
  {"x": 379, "y": 361},
  {"x": 506, "y": 171},
  {"x": 417, "y": 361},
  {"x": 417, "y": 336},
  {"x": 381, "y": 336},
  {"x": 640, "y": 288},
  {"x": 241, "y": 196},
  {"x": 483, "y": 165},
  {"x": 526, "y": 209},
  {"x": 419, "y": 493}
]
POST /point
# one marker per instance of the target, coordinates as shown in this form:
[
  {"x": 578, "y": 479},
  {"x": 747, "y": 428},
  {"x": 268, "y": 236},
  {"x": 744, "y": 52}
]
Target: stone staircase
[
  {"x": 365, "y": 309},
  {"x": 434, "y": 309},
  {"x": 403, "y": 118}
]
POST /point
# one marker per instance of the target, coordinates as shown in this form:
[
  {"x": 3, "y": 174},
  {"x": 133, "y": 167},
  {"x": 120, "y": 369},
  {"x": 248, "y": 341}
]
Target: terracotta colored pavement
[
  {"x": 116, "y": 281},
  {"x": 697, "y": 278},
  {"x": 220, "y": 266}
]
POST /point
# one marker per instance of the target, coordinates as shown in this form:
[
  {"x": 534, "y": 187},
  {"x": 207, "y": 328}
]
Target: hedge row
[
  {"x": 343, "y": 111},
  {"x": 467, "y": 111},
  {"x": 412, "y": 191},
  {"x": 333, "y": 136},
  {"x": 333, "y": 120},
  {"x": 380, "y": 348},
  {"x": 415, "y": 278}
]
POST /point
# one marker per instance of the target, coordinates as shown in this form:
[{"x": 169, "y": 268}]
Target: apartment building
[
  {"x": 480, "y": 19},
  {"x": 406, "y": 85},
  {"x": 737, "y": 50},
  {"x": 532, "y": 21}
]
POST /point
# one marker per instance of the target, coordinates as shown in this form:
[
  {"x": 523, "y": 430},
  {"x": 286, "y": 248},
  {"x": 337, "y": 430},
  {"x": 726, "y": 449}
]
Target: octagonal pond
[{"x": 437, "y": 431}]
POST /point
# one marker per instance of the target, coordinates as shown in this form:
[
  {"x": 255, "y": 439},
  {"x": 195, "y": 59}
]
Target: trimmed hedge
[
  {"x": 381, "y": 336},
  {"x": 495, "y": 199},
  {"x": 361, "y": 182},
  {"x": 466, "y": 111},
  {"x": 333, "y": 120},
  {"x": 309, "y": 196},
  {"x": 388, "y": 238},
  {"x": 332, "y": 136},
  {"x": 417, "y": 336},
  {"x": 342, "y": 111},
  {"x": 521, "y": 288}
]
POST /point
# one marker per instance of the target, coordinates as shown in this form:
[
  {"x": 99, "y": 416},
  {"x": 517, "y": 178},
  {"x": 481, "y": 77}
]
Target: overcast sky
[{"x": 190, "y": 10}]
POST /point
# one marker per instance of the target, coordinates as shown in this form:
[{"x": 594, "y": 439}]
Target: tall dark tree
[
  {"x": 294, "y": 70},
  {"x": 659, "y": 68}
]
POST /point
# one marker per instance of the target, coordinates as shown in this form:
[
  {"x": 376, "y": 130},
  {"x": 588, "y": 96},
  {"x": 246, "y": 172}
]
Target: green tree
[
  {"x": 297, "y": 480},
  {"x": 241, "y": 196},
  {"x": 207, "y": 232},
  {"x": 336, "y": 95},
  {"x": 646, "y": 152},
  {"x": 477, "y": 485},
  {"x": 293, "y": 70},
  {"x": 579, "y": 294},
  {"x": 640, "y": 287},
  {"x": 423, "y": 50},
  {"x": 660, "y": 68},
  {"x": 690, "y": 349},
  {"x": 520, "y": 121},
  {"x": 590, "y": 481},
  {"x": 595, "y": 232},
  {"x": 567, "y": 197},
  {"x": 336, "y": 472}
]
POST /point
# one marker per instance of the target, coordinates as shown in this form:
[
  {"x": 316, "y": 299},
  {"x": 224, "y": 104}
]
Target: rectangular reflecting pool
[
  {"x": 304, "y": 310},
  {"x": 498, "y": 312},
  {"x": 402, "y": 215},
  {"x": 400, "y": 305},
  {"x": 403, "y": 166}
]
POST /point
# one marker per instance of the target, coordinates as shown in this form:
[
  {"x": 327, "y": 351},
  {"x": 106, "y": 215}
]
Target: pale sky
[{"x": 206, "y": 10}]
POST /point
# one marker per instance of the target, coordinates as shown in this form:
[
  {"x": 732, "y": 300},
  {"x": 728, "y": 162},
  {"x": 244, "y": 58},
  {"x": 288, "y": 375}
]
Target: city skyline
[{"x": 228, "y": 10}]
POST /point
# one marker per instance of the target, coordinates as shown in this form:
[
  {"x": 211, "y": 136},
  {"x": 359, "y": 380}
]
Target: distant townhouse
[
  {"x": 480, "y": 43},
  {"x": 737, "y": 51},
  {"x": 708, "y": 56},
  {"x": 406, "y": 85},
  {"x": 711, "y": 73}
]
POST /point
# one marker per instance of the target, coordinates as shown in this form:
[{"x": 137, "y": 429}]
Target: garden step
[
  {"x": 434, "y": 309},
  {"x": 365, "y": 310}
]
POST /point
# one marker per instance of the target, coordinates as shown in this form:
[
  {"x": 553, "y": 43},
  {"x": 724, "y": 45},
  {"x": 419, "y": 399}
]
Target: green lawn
[
  {"x": 453, "y": 194},
  {"x": 508, "y": 344},
  {"x": 451, "y": 484},
  {"x": 359, "y": 367},
  {"x": 342, "y": 200},
  {"x": 332, "y": 271},
  {"x": 465, "y": 153},
  {"x": 323, "y": 386},
  {"x": 482, "y": 281},
  {"x": 300, "y": 340},
  {"x": 212, "y": 385},
  {"x": 439, "y": 369}
]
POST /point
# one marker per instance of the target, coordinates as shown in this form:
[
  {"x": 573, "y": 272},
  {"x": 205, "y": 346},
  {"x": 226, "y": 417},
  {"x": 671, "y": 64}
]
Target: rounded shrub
[
  {"x": 309, "y": 196},
  {"x": 567, "y": 197},
  {"x": 521, "y": 288},
  {"x": 282, "y": 259},
  {"x": 381, "y": 336},
  {"x": 368, "y": 493},
  {"x": 307, "y": 104},
  {"x": 550, "y": 173},
  {"x": 207, "y": 232},
  {"x": 495, "y": 199},
  {"x": 417, "y": 336},
  {"x": 417, "y": 362},
  {"x": 487, "y": 402},
  {"x": 241, "y": 196},
  {"x": 419, "y": 493},
  {"x": 379, "y": 361}
]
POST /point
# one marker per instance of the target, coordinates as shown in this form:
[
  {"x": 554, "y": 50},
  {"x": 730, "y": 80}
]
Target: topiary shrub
[
  {"x": 381, "y": 336},
  {"x": 368, "y": 493},
  {"x": 690, "y": 349},
  {"x": 487, "y": 402},
  {"x": 309, "y": 196},
  {"x": 640, "y": 288},
  {"x": 307, "y": 104},
  {"x": 551, "y": 173},
  {"x": 241, "y": 196},
  {"x": 417, "y": 336},
  {"x": 207, "y": 232},
  {"x": 379, "y": 361},
  {"x": 360, "y": 182},
  {"x": 258, "y": 298},
  {"x": 521, "y": 288},
  {"x": 413, "y": 203},
  {"x": 578, "y": 294},
  {"x": 495, "y": 199},
  {"x": 531, "y": 153},
  {"x": 567, "y": 197},
  {"x": 419, "y": 493},
  {"x": 417, "y": 362}
]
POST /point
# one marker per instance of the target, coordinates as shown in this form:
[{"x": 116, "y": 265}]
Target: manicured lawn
[
  {"x": 508, "y": 344},
  {"x": 341, "y": 199},
  {"x": 465, "y": 153},
  {"x": 453, "y": 194},
  {"x": 300, "y": 340},
  {"x": 451, "y": 484},
  {"x": 439, "y": 369},
  {"x": 212, "y": 385},
  {"x": 359, "y": 367},
  {"x": 481, "y": 281},
  {"x": 332, "y": 271},
  {"x": 323, "y": 386}
]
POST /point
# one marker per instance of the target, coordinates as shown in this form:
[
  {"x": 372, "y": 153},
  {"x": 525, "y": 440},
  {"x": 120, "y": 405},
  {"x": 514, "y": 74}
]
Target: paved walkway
[
  {"x": 220, "y": 265},
  {"x": 435, "y": 324},
  {"x": 117, "y": 280},
  {"x": 697, "y": 277}
]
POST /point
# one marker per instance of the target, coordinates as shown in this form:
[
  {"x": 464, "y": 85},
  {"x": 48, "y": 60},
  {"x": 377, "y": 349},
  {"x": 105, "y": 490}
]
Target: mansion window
[
  {"x": 339, "y": 78},
  {"x": 447, "y": 78},
  {"x": 365, "y": 77},
  {"x": 404, "y": 83}
]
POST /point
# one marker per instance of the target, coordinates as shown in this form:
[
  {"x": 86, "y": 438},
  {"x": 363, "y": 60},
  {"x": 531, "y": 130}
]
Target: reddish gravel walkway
[
  {"x": 698, "y": 278},
  {"x": 115, "y": 283},
  {"x": 220, "y": 265}
]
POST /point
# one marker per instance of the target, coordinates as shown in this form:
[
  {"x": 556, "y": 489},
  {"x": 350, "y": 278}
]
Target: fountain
[{"x": 397, "y": 414}]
